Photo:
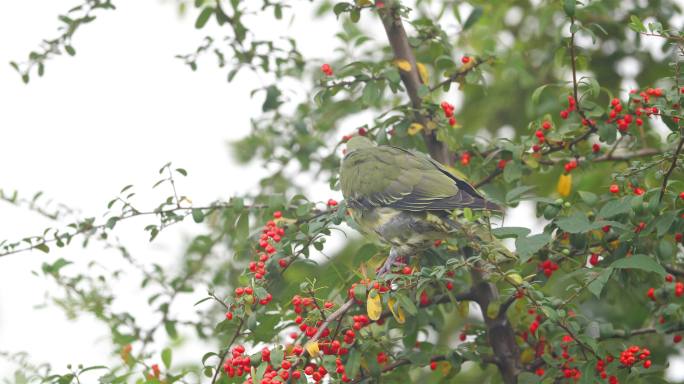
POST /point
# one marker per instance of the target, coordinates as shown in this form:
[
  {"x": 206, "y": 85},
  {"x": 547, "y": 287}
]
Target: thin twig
[{"x": 672, "y": 167}]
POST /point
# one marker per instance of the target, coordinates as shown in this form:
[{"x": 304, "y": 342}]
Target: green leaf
[
  {"x": 355, "y": 15},
  {"x": 42, "y": 247},
  {"x": 340, "y": 7},
  {"x": 512, "y": 172},
  {"x": 636, "y": 24},
  {"x": 528, "y": 246},
  {"x": 170, "y": 327},
  {"x": 203, "y": 17},
  {"x": 272, "y": 100},
  {"x": 642, "y": 262},
  {"x": 197, "y": 215},
  {"x": 166, "y": 357},
  {"x": 510, "y": 232},
  {"x": 70, "y": 50},
  {"x": 371, "y": 93},
  {"x": 569, "y": 7},
  {"x": 515, "y": 193},
  {"x": 588, "y": 197},
  {"x": 577, "y": 223},
  {"x": 537, "y": 94},
  {"x": 474, "y": 16},
  {"x": 596, "y": 286},
  {"x": 664, "y": 222},
  {"x": 615, "y": 207}
]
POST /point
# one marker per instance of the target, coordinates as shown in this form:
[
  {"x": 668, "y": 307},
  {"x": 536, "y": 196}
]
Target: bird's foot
[{"x": 387, "y": 266}]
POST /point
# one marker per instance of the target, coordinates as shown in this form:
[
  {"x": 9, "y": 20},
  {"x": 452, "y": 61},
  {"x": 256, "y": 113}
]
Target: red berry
[
  {"x": 669, "y": 278},
  {"x": 539, "y": 372},
  {"x": 647, "y": 364},
  {"x": 229, "y": 315},
  {"x": 678, "y": 237},
  {"x": 677, "y": 338},
  {"x": 465, "y": 60},
  {"x": 596, "y": 148},
  {"x": 546, "y": 125},
  {"x": 594, "y": 259},
  {"x": 326, "y": 69},
  {"x": 614, "y": 188},
  {"x": 501, "y": 164},
  {"x": 564, "y": 114},
  {"x": 277, "y": 214},
  {"x": 282, "y": 263},
  {"x": 681, "y": 195},
  {"x": 362, "y": 131},
  {"x": 433, "y": 365},
  {"x": 449, "y": 285},
  {"x": 407, "y": 270}
]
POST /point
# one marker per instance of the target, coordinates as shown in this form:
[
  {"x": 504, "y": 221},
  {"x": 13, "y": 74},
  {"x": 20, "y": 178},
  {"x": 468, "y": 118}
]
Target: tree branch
[
  {"x": 500, "y": 333},
  {"x": 672, "y": 167}
]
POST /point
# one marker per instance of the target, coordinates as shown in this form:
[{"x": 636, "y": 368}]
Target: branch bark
[{"x": 500, "y": 333}]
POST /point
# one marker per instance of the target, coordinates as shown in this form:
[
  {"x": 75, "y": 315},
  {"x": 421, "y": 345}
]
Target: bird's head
[{"x": 359, "y": 142}]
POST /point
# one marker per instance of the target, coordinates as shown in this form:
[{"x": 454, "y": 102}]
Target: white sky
[{"x": 109, "y": 117}]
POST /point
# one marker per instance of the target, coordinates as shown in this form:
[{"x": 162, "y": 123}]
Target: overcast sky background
[{"x": 108, "y": 117}]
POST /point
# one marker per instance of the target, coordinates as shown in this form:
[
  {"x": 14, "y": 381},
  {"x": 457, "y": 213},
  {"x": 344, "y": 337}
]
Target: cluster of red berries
[
  {"x": 448, "y": 112},
  {"x": 644, "y": 99},
  {"x": 601, "y": 369},
  {"x": 549, "y": 267},
  {"x": 239, "y": 364},
  {"x": 316, "y": 373},
  {"x": 639, "y": 227},
  {"x": 326, "y": 69},
  {"x": 535, "y": 324},
  {"x": 568, "y": 371},
  {"x": 271, "y": 234},
  {"x": 570, "y": 165},
  {"x": 572, "y": 105},
  {"x": 156, "y": 372},
  {"x": 624, "y": 121},
  {"x": 635, "y": 354},
  {"x": 249, "y": 295}
]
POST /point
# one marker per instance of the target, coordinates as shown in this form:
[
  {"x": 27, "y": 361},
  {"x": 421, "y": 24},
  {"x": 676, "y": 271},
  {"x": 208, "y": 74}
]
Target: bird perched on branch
[{"x": 403, "y": 198}]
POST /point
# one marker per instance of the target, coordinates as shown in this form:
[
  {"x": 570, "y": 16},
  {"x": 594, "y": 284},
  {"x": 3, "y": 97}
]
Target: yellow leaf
[
  {"x": 312, "y": 348},
  {"x": 423, "y": 72},
  {"x": 374, "y": 305},
  {"x": 445, "y": 368},
  {"x": 564, "y": 185},
  {"x": 403, "y": 64},
  {"x": 398, "y": 313},
  {"x": 493, "y": 309},
  {"x": 527, "y": 356},
  {"x": 463, "y": 308},
  {"x": 514, "y": 279},
  {"x": 415, "y": 128},
  {"x": 363, "y": 3}
]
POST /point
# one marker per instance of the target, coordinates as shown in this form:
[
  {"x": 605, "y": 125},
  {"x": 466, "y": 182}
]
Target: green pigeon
[{"x": 403, "y": 198}]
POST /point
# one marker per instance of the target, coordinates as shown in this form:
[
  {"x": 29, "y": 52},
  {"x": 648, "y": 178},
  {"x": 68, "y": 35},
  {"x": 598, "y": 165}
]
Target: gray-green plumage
[{"x": 402, "y": 197}]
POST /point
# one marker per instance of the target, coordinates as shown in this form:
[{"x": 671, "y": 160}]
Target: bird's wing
[{"x": 393, "y": 177}]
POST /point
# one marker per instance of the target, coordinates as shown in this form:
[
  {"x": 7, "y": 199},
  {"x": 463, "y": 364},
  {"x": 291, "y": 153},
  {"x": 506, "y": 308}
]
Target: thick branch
[
  {"x": 396, "y": 34},
  {"x": 500, "y": 332}
]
